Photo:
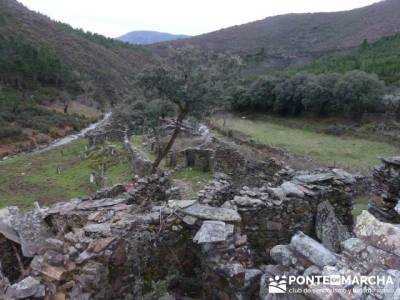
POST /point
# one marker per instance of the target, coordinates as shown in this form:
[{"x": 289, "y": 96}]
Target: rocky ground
[{"x": 254, "y": 221}]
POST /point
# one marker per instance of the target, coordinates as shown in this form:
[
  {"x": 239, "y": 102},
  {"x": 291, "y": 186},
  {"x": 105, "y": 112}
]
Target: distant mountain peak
[{"x": 146, "y": 37}]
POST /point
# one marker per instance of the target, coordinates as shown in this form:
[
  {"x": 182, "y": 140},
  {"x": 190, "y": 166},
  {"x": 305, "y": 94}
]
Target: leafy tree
[
  {"x": 193, "y": 83},
  {"x": 240, "y": 98},
  {"x": 22, "y": 64},
  {"x": 262, "y": 93},
  {"x": 359, "y": 92},
  {"x": 290, "y": 94},
  {"x": 319, "y": 95}
]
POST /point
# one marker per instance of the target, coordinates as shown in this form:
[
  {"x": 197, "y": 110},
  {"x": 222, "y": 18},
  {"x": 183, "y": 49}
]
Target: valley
[{"x": 212, "y": 167}]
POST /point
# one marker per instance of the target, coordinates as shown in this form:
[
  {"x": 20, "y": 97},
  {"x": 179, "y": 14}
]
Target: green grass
[
  {"x": 137, "y": 141},
  {"x": 195, "y": 178},
  {"x": 30, "y": 178},
  {"x": 360, "y": 204},
  {"x": 348, "y": 152}
]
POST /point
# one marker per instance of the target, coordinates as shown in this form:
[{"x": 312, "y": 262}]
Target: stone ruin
[
  {"x": 140, "y": 241},
  {"x": 102, "y": 134},
  {"x": 374, "y": 251},
  {"x": 386, "y": 190},
  {"x": 140, "y": 165}
]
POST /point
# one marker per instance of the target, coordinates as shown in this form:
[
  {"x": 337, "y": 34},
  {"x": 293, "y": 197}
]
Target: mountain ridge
[
  {"x": 107, "y": 65},
  {"x": 284, "y": 40},
  {"x": 146, "y": 37}
]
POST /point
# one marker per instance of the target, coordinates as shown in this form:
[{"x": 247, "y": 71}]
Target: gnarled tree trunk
[{"x": 162, "y": 154}]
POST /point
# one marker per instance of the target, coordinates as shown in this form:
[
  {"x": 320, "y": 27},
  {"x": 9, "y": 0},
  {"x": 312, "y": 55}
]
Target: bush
[
  {"x": 353, "y": 93},
  {"x": 290, "y": 94},
  {"x": 319, "y": 95},
  {"x": 262, "y": 95},
  {"x": 9, "y": 131},
  {"x": 359, "y": 92},
  {"x": 55, "y": 132}
]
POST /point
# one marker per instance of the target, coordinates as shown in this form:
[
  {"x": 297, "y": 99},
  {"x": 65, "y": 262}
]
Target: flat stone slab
[
  {"x": 211, "y": 232},
  {"x": 102, "y": 228},
  {"x": 6, "y": 228},
  {"x": 213, "y": 213},
  {"x": 32, "y": 231},
  {"x": 181, "y": 203},
  {"x": 292, "y": 190},
  {"x": 312, "y": 250},
  {"x": 28, "y": 287},
  {"x": 245, "y": 201},
  {"x": 93, "y": 204},
  {"x": 345, "y": 176},
  {"x": 40, "y": 265},
  {"x": 395, "y": 160},
  {"x": 314, "y": 178}
]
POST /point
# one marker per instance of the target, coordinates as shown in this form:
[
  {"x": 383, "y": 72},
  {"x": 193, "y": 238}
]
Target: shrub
[
  {"x": 9, "y": 131},
  {"x": 359, "y": 92},
  {"x": 55, "y": 132},
  {"x": 290, "y": 94},
  {"x": 262, "y": 95}
]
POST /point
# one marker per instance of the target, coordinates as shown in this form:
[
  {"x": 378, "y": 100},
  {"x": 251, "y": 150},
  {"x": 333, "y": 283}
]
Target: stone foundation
[{"x": 386, "y": 190}]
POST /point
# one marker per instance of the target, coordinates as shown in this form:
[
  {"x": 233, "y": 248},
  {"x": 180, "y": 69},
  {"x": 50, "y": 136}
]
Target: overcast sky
[{"x": 116, "y": 17}]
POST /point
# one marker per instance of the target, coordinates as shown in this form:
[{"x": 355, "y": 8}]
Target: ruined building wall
[
  {"x": 386, "y": 190},
  {"x": 273, "y": 213}
]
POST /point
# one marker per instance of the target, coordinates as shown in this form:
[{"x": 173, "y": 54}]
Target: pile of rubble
[
  {"x": 218, "y": 191},
  {"x": 104, "y": 133},
  {"x": 103, "y": 248},
  {"x": 140, "y": 241},
  {"x": 386, "y": 190},
  {"x": 373, "y": 253}
]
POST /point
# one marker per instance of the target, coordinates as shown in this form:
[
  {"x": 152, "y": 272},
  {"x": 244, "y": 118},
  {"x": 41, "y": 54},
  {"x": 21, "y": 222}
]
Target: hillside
[
  {"x": 293, "y": 39},
  {"x": 50, "y": 73},
  {"x": 381, "y": 58},
  {"x": 150, "y": 37},
  {"x": 105, "y": 65}
]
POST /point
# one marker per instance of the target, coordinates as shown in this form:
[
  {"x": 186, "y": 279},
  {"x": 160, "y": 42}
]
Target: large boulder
[
  {"x": 384, "y": 236},
  {"x": 28, "y": 287},
  {"x": 312, "y": 250},
  {"x": 329, "y": 229}
]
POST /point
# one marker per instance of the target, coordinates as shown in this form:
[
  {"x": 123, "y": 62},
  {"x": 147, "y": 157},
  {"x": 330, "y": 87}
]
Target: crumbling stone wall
[
  {"x": 272, "y": 215},
  {"x": 386, "y": 190},
  {"x": 127, "y": 246},
  {"x": 137, "y": 241},
  {"x": 218, "y": 191},
  {"x": 374, "y": 251},
  {"x": 139, "y": 164},
  {"x": 243, "y": 171},
  {"x": 202, "y": 159}
]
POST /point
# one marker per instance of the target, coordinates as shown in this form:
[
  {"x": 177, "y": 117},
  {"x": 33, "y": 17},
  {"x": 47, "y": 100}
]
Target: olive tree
[
  {"x": 359, "y": 92},
  {"x": 319, "y": 97},
  {"x": 192, "y": 82},
  {"x": 290, "y": 94},
  {"x": 262, "y": 93}
]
